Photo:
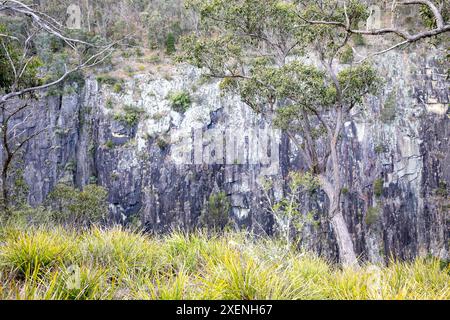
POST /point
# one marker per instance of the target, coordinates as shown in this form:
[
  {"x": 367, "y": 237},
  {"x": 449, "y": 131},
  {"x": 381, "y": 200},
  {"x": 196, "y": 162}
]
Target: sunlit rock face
[{"x": 163, "y": 167}]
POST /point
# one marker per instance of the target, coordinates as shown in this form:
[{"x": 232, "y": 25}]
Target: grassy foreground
[{"x": 43, "y": 263}]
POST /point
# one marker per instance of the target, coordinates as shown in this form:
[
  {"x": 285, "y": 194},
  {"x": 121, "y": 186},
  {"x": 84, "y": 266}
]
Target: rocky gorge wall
[{"x": 395, "y": 154}]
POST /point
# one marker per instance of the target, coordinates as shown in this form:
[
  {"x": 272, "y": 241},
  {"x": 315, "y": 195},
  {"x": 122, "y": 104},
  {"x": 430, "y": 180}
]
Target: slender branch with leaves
[{"x": 289, "y": 214}]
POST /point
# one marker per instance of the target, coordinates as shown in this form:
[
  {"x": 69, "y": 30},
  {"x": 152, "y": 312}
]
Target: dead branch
[{"x": 441, "y": 27}]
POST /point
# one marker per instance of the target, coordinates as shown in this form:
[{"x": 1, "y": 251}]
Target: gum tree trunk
[{"x": 347, "y": 253}]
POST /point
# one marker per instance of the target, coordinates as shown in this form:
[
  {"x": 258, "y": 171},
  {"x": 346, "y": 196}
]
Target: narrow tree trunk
[
  {"x": 347, "y": 252},
  {"x": 88, "y": 13},
  {"x": 4, "y": 203},
  {"x": 6, "y": 161},
  {"x": 4, "y": 172},
  {"x": 347, "y": 255}
]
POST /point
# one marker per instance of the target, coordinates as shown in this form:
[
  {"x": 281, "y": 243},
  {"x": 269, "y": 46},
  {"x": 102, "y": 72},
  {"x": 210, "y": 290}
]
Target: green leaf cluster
[{"x": 78, "y": 206}]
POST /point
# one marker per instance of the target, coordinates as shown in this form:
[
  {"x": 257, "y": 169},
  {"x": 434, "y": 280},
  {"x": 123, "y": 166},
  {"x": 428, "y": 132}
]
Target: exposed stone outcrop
[{"x": 399, "y": 142}]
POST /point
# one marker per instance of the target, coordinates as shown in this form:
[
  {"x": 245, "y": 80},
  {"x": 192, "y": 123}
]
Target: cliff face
[{"x": 163, "y": 168}]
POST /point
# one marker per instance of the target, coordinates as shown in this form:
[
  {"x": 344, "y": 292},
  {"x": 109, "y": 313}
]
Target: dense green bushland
[
  {"x": 61, "y": 263},
  {"x": 65, "y": 205}
]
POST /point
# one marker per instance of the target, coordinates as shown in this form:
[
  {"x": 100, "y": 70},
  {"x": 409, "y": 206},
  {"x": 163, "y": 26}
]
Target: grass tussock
[{"x": 58, "y": 263}]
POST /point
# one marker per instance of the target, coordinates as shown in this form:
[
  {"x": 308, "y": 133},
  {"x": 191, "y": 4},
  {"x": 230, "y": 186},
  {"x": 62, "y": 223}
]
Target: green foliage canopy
[{"x": 280, "y": 65}]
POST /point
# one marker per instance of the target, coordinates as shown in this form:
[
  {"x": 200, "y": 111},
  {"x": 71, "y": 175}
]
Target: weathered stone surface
[{"x": 400, "y": 137}]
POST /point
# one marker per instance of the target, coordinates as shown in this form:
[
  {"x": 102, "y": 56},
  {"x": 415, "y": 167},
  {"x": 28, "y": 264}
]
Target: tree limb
[
  {"x": 437, "y": 14},
  {"x": 382, "y": 51},
  {"x": 27, "y": 139},
  {"x": 41, "y": 20},
  {"x": 2, "y": 35},
  {"x": 92, "y": 61},
  {"x": 441, "y": 27}
]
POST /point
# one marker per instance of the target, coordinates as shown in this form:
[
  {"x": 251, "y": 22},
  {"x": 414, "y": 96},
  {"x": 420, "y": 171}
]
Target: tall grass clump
[
  {"x": 36, "y": 250},
  {"x": 184, "y": 252},
  {"x": 119, "y": 251},
  {"x": 115, "y": 263}
]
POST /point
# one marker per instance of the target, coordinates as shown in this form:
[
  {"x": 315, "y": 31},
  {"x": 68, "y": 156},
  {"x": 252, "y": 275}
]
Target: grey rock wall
[{"x": 400, "y": 138}]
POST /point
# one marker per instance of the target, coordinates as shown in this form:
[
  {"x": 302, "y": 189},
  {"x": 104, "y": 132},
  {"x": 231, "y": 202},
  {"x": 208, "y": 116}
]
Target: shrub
[
  {"x": 388, "y": 113},
  {"x": 107, "y": 79},
  {"x": 138, "y": 52},
  {"x": 170, "y": 44},
  {"x": 117, "y": 88},
  {"x": 109, "y": 104},
  {"x": 216, "y": 214},
  {"x": 130, "y": 116},
  {"x": 159, "y": 115},
  {"x": 441, "y": 191},
  {"x": 181, "y": 101},
  {"x": 126, "y": 54},
  {"x": 76, "y": 77},
  {"x": 346, "y": 56},
  {"x": 78, "y": 207},
  {"x": 109, "y": 144},
  {"x": 359, "y": 40},
  {"x": 167, "y": 76},
  {"x": 130, "y": 71},
  {"x": 287, "y": 211},
  {"x": 162, "y": 143},
  {"x": 380, "y": 149},
  {"x": 31, "y": 216},
  {"x": 372, "y": 216},
  {"x": 154, "y": 59},
  {"x": 378, "y": 187}
]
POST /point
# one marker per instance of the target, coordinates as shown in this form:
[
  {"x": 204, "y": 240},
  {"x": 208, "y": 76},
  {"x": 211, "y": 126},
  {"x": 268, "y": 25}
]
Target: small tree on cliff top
[{"x": 247, "y": 43}]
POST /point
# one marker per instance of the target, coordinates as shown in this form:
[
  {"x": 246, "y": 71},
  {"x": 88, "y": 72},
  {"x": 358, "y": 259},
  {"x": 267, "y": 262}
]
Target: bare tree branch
[
  {"x": 15, "y": 137},
  {"x": 382, "y": 51},
  {"x": 437, "y": 14},
  {"x": 49, "y": 25},
  {"x": 27, "y": 139},
  {"x": 92, "y": 61},
  {"x": 9, "y": 117},
  {"x": 441, "y": 27},
  {"x": 2, "y": 35}
]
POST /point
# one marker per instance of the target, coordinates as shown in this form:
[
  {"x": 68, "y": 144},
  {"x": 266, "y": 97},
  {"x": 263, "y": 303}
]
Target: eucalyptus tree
[
  {"x": 281, "y": 57},
  {"x": 262, "y": 50}
]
